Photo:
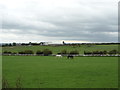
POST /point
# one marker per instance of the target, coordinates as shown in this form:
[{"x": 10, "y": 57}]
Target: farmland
[
  {"x": 53, "y": 72},
  {"x": 57, "y": 49},
  {"x": 60, "y": 72}
]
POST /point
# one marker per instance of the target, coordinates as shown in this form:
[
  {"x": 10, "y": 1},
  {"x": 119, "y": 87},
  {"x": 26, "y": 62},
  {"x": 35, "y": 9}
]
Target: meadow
[
  {"x": 54, "y": 72},
  {"x": 58, "y": 49}
]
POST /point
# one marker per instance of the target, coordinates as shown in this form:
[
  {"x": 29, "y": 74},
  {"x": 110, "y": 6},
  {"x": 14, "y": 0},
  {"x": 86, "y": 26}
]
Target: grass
[
  {"x": 57, "y": 49},
  {"x": 53, "y": 72}
]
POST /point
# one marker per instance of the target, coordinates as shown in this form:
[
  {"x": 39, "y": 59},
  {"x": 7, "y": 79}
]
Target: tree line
[
  {"x": 101, "y": 52},
  {"x": 44, "y": 52},
  {"x": 46, "y": 43},
  {"x": 47, "y": 52}
]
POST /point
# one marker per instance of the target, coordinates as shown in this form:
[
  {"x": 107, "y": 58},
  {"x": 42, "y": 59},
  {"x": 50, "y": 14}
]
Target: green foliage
[
  {"x": 47, "y": 52},
  {"x": 64, "y": 52},
  {"x": 102, "y": 52},
  {"x": 58, "y": 49},
  {"x": 74, "y": 52},
  {"x": 26, "y": 52},
  {"x": 7, "y": 52},
  {"x": 14, "y": 44},
  {"x": 113, "y": 52},
  {"x": 39, "y": 52}
]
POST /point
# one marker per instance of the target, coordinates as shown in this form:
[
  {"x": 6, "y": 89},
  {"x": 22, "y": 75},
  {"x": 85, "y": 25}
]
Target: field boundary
[{"x": 82, "y": 55}]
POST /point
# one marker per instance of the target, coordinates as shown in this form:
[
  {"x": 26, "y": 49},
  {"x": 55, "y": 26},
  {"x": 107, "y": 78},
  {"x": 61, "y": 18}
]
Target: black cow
[{"x": 70, "y": 56}]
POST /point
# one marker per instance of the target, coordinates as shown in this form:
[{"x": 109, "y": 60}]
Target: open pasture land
[
  {"x": 58, "y": 49},
  {"x": 54, "y": 72}
]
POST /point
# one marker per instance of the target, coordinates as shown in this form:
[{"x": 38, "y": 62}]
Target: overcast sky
[{"x": 57, "y": 20}]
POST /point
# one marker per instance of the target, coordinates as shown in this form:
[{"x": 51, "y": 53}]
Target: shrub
[
  {"x": 26, "y": 52},
  {"x": 29, "y": 52},
  {"x": 47, "y": 52},
  {"x": 113, "y": 52},
  {"x": 105, "y": 52},
  {"x": 14, "y": 53},
  {"x": 58, "y": 53},
  {"x": 87, "y": 53},
  {"x": 39, "y": 52},
  {"x": 7, "y": 52},
  {"x": 21, "y": 52},
  {"x": 64, "y": 52},
  {"x": 74, "y": 52}
]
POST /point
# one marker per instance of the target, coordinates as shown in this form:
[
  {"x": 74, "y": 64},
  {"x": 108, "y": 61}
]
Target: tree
[
  {"x": 113, "y": 52},
  {"x": 7, "y": 52},
  {"x": 74, "y": 52},
  {"x": 14, "y": 44},
  {"x": 29, "y": 52},
  {"x": 39, "y": 52},
  {"x": 105, "y": 52},
  {"x": 64, "y": 52},
  {"x": 47, "y": 52},
  {"x": 21, "y": 52},
  {"x": 26, "y": 52},
  {"x": 88, "y": 52},
  {"x": 63, "y": 43},
  {"x": 10, "y": 44}
]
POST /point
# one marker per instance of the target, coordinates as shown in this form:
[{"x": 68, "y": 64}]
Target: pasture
[
  {"x": 58, "y": 49},
  {"x": 55, "y": 72}
]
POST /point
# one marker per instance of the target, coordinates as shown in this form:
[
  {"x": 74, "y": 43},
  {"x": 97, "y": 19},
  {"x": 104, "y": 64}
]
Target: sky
[{"x": 58, "y": 20}]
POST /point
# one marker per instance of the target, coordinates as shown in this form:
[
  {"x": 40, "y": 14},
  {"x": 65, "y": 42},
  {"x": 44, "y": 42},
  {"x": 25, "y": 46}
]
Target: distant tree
[
  {"x": 7, "y": 52},
  {"x": 105, "y": 52},
  {"x": 64, "y": 51},
  {"x": 6, "y": 45},
  {"x": 74, "y": 52},
  {"x": 47, "y": 52},
  {"x": 14, "y": 53},
  {"x": 39, "y": 52},
  {"x": 63, "y": 43},
  {"x": 88, "y": 52},
  {"x": 21, "y": 52},
  {"x": 10, "y": 44},
  {"x": 58, "y": 53},
  {"x": 113, "y": 52},
  {"x": 29, "y": 52},
  {"x": 95, "y": 52},
  {"x": 30, "y": 43},
  {"x": 14, "y": 44},
  {"x": 26, "y": 52}
]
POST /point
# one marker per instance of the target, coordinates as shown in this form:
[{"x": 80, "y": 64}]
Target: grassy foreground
[{"x": 53, "y": 72}]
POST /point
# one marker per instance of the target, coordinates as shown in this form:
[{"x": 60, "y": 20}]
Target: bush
[
  {"x": 74, "y": 52},
  {"x": 29, "y": 52},
  {"x": 21, "y": 52},
  {"x": 47, "y": 52},
  {"x": 14, "y": 53},
  {"x": 7, "y": 52},
  {"x": 98, "y": 52},
  {"x": 105, "y": 52},
  {"x": 58, "y": 53},
  {"x": 64, "y": 52},
  {"x": 88, "y": 52},
  {"x": 26, "y": 52},
  {"x": 113, "y": 52},
  {"x": 39, "y": 52}
]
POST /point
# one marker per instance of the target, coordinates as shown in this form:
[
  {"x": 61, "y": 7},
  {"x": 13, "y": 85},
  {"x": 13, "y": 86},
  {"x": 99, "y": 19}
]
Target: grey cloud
[{"x": 82, "y": 21}]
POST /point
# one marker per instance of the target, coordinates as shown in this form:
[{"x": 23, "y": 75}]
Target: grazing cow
[
  {"x": 70, "y": 57},
  {"x": 58, "y": 55}
]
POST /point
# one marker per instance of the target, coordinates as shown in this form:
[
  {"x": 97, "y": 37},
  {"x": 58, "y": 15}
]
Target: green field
[
  {"x": 53, "y": 72},
  {"x": 58, "y": 49}
]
